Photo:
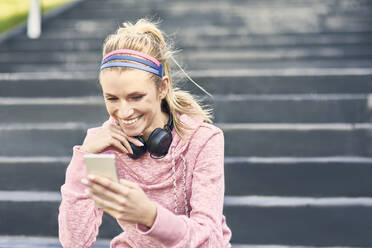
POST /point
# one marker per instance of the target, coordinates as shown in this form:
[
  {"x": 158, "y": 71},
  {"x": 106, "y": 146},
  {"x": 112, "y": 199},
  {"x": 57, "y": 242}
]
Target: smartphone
[{"x": 102, "y": 165}]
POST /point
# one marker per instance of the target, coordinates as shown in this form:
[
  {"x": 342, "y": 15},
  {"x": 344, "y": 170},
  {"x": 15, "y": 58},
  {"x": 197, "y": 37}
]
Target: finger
[
  {"x": 117, "y": 197},
  {"x": 126, "y": 144},
  {"x": 123, "y": 135},
  {"x": 117, "y": 135},
  {"x": 135, "y": 141},
  {"x": 120, "y": 216},
  {"x": 105, "y": 203},
  {"x": 109, "y": 184},
  {"x": 128, "y": 184},
  {"x": 118, "y": 131},
  {"x": 116, "y": 143}
]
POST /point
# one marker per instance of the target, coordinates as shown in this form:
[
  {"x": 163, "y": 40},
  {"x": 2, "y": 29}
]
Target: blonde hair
[{"x": 144, "y": 36}]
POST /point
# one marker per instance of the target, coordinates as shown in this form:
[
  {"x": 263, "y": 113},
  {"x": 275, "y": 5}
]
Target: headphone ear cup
[{"x": 159, "y": 142}]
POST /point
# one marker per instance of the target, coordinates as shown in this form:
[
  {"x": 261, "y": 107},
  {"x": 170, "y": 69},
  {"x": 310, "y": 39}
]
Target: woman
[{"x": 171, "y": 195}]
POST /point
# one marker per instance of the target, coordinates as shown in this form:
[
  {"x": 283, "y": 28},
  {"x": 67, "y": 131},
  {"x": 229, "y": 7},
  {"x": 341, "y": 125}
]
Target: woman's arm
[
  {"x": 78, "y": 218},
  {"x": 204, "y": 227}
]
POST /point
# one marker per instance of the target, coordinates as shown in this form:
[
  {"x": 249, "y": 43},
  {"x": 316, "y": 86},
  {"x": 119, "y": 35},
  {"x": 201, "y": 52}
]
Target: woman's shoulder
[
  {"x": 201, "y": 130},
  {"x": 208, "y": 129},
  {"x": 206, "y": 137}
]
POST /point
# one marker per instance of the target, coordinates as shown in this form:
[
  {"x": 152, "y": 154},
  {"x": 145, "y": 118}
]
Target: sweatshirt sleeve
[
  {"x": 204, "y": 226},
  {"x": 78, "y": 218}
]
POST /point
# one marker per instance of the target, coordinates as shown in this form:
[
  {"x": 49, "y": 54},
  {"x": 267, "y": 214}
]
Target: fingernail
[
  {"x": 91, "y": 177},
  {"x": 87, "y": 191}
]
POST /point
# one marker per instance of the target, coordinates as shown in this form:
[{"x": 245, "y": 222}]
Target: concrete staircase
[{"x": 291, "y": 82}]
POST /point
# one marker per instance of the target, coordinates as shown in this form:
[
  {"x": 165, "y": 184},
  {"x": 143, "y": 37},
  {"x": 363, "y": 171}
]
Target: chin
[{"x": 133, "y": 131}]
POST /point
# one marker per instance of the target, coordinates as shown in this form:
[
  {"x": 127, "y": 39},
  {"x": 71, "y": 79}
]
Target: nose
[{"x": 125, "y": 110}]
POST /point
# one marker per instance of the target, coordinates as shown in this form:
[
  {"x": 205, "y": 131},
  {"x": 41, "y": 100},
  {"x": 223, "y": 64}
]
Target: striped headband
[{"x": 152, "y": 64}]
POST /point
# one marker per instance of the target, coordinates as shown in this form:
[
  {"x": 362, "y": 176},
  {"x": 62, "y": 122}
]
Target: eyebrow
[{"x": 131, "y": 94}]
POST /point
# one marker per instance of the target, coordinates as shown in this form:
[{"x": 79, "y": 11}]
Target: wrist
[{"x": 151, "y": 216}]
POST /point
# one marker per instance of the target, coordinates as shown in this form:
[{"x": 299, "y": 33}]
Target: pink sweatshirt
[{"x": 203, "y": 189}]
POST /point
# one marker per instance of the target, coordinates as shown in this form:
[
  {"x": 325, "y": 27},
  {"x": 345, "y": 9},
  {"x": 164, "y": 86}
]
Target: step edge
[
  {"x": 34, "y": 159},
  {"x": 49, "y": 239},
  {"x": 230, "y": 161},
  {"x": 229, "y": 201},
  {"x": 279, "y": 201},
  {"x": 98, "y": 99},
  {"x": 224, "y": 126},
  {"x": 295, "y": 126},
  {"x": 295, "y": 160},
  {"x": 289, "y": 72}
]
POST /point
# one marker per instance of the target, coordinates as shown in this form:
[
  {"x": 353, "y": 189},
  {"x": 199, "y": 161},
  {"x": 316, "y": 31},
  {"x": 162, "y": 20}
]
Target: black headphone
[{"x": 158, "y": 142}]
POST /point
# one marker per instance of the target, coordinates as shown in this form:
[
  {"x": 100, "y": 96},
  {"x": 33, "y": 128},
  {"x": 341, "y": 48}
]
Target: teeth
[{"x": 130, "y": 122}]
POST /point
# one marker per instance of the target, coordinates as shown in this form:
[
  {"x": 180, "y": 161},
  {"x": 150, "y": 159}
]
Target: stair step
[
  {"x": 19, "y": 216},
  {"x": 262, "y": 140},
  {"x": 88, "y": 23},
  {"x": 288, "y": 176},
  {"x": 303, "y": 108},
  {"x": 95, "y": 46},
  {"x": 205, "y": 33},
  {"x": 303, "y": 18},
  {"x": 202, "y": 55},
  {"x": 38, "y": 173},
  {"x": 273, "y": 220},
  {"x": 291, "y": 108},
  {"x": 222, "y": 65},
  {"x": 299, "y": 81},
  {"x": 53, "y": 242},
  {"x": 192, "y": 25},
  {"x": 300, "y": 223},
  {"x": 43, "y": 45},
  {"x": 41, "y": 242},
  {"x": 297, "y": 140},
  {"x": 185, "y": 41},
  {"x": 293, "y": 176},
  {"x": 217, "y": 4}
]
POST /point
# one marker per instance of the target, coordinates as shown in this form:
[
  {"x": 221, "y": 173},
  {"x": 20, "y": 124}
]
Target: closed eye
[{"x": 137, "y": 97}]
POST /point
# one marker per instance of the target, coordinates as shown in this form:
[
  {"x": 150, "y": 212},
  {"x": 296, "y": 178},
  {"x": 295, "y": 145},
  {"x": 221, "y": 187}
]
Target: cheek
[
  {"x": 151, "y": 106},
  {"x": 110, "y": 107}
]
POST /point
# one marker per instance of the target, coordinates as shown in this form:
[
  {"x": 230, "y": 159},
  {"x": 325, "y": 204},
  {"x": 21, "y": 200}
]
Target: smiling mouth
[{"x": 132, "y": 121}]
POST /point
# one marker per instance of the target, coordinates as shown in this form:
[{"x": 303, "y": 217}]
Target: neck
[{"x": 159, "y": 122}]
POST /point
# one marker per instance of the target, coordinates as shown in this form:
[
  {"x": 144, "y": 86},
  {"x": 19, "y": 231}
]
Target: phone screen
[{"x": 102, "y": 165}]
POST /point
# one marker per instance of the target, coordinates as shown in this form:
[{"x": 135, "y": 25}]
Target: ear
[{"x": 163, "y": 89}]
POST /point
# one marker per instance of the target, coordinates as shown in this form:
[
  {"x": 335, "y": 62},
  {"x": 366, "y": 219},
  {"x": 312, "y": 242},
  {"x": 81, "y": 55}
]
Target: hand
[
  {"x": 124, "y": 201},
  {"x": 109, "y": 135}
]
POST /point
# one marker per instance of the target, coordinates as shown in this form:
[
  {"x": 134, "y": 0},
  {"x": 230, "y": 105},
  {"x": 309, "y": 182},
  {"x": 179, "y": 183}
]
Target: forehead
[{"x": 121, "y": 82}]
